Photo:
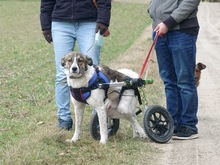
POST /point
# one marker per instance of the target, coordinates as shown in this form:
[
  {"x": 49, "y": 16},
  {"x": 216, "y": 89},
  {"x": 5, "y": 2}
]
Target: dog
[
  {"x": 111, "y": 102},
  {"x": 199, "y": 67}
]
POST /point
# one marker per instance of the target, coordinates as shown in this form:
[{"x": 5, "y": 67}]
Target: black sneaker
[
  {"x": 63, "y": 124},
  {"x": 185, "y": 133},
  {"x": 176, "y": 129}
]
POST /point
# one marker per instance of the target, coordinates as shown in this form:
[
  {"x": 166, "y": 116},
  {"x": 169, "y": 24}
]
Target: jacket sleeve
[
  {"x": 46, "y": 9},
  {"x": 104, "y": 11},
  {"x": 183, "y": 12}
]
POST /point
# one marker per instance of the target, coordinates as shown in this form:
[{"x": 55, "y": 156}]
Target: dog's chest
[{"x": 78, "y": 83}]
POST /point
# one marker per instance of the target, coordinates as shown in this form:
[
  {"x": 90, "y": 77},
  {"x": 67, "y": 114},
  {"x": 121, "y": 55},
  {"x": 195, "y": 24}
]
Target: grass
[
  {"x": 127, "y": 24},
  {"x": 28, "y": 134}
]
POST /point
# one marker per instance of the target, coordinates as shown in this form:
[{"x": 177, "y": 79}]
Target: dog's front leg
[
  {"x": 103, "y": 124},
  {"x": 79, "y": 109}
]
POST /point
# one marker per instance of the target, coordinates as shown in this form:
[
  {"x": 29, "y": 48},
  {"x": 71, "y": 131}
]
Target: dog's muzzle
[{"x": 74, "y": 73}]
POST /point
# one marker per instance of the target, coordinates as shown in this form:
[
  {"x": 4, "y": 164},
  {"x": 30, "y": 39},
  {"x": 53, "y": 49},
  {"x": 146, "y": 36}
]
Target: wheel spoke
[{"x": 158, "y": 124}]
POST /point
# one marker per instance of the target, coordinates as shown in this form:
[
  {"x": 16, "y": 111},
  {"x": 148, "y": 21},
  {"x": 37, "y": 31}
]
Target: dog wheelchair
[{"x": 157, "y": 121}]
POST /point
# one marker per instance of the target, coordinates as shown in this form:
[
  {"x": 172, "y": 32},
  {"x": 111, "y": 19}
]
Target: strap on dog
[
  {"x": 101, "y": 78},
  {"x": 80, "y": 94},
  {"x": 136, "y": 93},
  {"x": 97, "y": 78}
]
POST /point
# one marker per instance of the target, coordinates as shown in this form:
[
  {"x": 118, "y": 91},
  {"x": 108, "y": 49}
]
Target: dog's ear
[
  {"x": 89, "y": 61},
  {"x": 63, "y": 62},
  {"x": 201, "y": 66}
]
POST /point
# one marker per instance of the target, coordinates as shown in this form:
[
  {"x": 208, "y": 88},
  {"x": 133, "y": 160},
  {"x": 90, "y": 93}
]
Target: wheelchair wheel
[
  {"x": 158, "y": 124},
  {"x": 112, "y": 124}
]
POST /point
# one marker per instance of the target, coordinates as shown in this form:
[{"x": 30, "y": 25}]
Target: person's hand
[
  {"x": 47, "y": 36},
  {"x": 101, "y": 27},
  {"x": 161, "y": 29}
]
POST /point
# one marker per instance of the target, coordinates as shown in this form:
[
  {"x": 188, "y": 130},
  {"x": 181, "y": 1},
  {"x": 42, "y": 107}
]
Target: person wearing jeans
[
  {"x": 176, "y": 24},
  {"x": 64, "y": 23}
]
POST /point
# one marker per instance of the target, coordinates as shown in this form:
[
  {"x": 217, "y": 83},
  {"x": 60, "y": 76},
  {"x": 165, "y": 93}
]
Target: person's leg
[
  {"x": 168, "y": 75},
  {"x": 86, "y": 38},
  {"x": 183, "y": 47},
  {"x": 86, "y": 42},
  {"x": 63, "y": 42}
]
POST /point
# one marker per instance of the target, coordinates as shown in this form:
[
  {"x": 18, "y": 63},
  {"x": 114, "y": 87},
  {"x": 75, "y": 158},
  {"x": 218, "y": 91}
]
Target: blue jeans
[
  {"x": 176, "y": 55},
  {"x": 65, "y": 35}
]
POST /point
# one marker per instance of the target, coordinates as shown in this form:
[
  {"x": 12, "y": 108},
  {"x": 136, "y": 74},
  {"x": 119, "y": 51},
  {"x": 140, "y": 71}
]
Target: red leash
[{"x": 149, "y": 53}]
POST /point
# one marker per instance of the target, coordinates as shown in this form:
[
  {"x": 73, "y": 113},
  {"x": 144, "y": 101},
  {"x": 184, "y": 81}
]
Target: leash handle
[{"x": 149, "y": 53}]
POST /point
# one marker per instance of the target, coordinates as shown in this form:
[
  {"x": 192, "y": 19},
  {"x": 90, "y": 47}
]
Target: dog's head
[
  {"x": 199, "y": 66},
  {"x": 76, "y": 64}
]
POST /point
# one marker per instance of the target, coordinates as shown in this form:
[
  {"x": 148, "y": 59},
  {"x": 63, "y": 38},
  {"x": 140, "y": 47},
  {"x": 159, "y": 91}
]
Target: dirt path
[{"x": 206, "y": 149}]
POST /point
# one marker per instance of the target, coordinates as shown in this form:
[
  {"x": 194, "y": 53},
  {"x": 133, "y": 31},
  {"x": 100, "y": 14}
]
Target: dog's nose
[{"x": 74, "y": 69}]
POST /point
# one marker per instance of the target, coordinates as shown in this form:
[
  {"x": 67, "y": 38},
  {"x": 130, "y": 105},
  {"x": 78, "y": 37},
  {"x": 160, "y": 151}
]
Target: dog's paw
[
  {"x": 75, "y": 138},
  {"x": 135, "y": 135},
  {"x": 143, "y": 136},
  {"x": 103, "y": 142},
  {"x": 140, "y": 134},
  {"x": 69, "y": 141}
]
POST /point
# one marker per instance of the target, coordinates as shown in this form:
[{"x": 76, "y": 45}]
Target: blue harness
[{"x": 83, "y": 93}]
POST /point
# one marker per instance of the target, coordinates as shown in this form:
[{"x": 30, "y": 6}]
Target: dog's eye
[
  {"x": 70, "y": 60},
  {"x": 80, "y": 60}
]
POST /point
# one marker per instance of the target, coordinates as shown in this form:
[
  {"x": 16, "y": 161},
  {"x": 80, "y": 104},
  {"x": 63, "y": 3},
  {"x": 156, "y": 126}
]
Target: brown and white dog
[
  {"x": 80, "y": 70},
  {"x": 199, "y": 67}
]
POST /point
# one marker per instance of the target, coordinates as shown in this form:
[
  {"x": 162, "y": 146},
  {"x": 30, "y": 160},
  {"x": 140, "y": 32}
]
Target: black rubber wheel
[
  {"x": 113, "y": 125},
  {"x": 158, "y": 124}
]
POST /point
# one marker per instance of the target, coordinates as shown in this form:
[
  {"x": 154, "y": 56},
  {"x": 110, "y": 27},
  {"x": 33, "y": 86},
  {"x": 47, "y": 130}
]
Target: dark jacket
[{"x": 74, "y": 11}]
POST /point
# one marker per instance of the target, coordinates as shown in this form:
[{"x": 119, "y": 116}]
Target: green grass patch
[
  {"x": 27, "y": 92},
  {"x": 127, "y": 24}
]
